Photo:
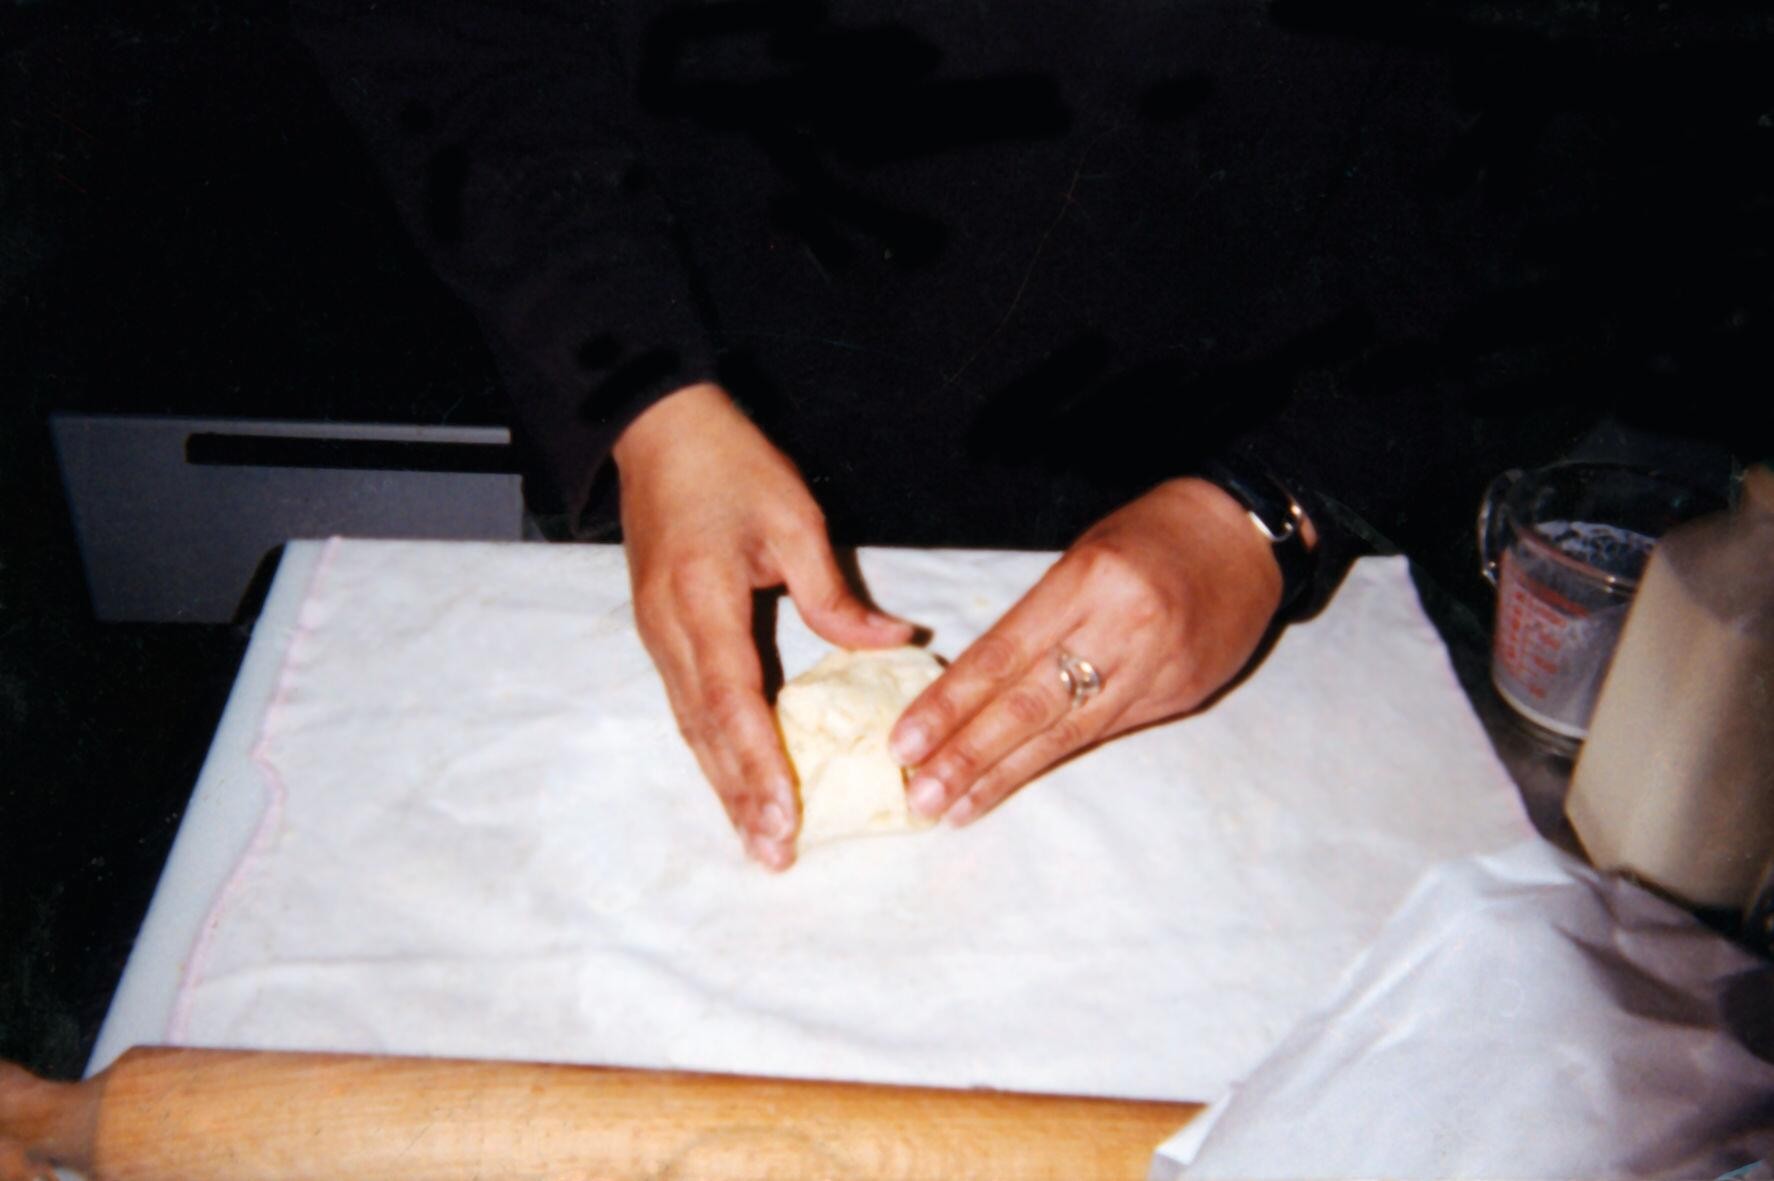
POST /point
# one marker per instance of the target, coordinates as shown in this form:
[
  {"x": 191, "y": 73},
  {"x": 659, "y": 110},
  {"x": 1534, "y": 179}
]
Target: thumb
[{"x": 825, "y": 600}]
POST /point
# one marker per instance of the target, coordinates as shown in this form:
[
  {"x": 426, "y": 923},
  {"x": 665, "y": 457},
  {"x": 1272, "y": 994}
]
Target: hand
[
  {"x": 1168, "y": 597},
  {"x": 711, "y": 512}
]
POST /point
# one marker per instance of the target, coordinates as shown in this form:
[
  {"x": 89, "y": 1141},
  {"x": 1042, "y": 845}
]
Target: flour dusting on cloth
[{"x": 491, "y": 842}]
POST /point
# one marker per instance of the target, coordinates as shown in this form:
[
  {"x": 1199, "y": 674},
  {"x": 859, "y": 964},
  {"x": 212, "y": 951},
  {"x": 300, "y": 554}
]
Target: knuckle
[
  {"x": 962, "y": 762},
  {"x": 1112, "y": 564},
  {"x": 833, "y": 600},
  {"x": 799, "y": 517},
  {"x": 683, "y": 582},
  {"x": 650, "y": 593},
  {"x": 645, "y": 587},
  {"x": 1067, "y": 734},
  {"x": 1123, "y": 581},
  {"x": 1143, "y": 610},
  {"x": 1102, "y": 557},
  {"x": 650, "y": 623},
  {"x": 1026, "y": 707},
  {"x": 754, "y": 769},
  {"x": 996, "y": 657},
  {"x": 724, "y": 705},
  {"x": 936, "y": 710},
  {"x": 693, "y": 730},
  {"x": 655, "y": 613}
]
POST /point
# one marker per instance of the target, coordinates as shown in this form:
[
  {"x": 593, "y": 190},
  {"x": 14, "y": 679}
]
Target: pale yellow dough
[{"x": 835, "y": 718}]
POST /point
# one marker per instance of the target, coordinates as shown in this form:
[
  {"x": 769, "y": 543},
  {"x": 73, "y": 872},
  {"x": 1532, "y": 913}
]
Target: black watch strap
[{"x": 1276, "y": 512}]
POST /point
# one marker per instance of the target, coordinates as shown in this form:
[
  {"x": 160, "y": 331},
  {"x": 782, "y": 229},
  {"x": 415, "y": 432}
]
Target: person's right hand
[{"x": 711, "y": 512}]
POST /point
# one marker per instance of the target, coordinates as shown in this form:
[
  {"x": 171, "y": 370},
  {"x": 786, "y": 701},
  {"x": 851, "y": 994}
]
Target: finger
[
  {"x": 735, "y": 742},
  {"x": 1029, "y": 632},
  {"x": 715, "y": 681},
  {"x": 762, "y": 818},
  {"x": 824, "y": 598},
  {"x": 1030, "y": 706},
  {"x": 746, "y": 763},
  {"x": 1079, "y": 729}
]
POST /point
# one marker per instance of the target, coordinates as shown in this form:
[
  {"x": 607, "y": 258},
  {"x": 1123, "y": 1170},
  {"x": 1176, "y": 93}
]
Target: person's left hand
[{"x": 1167, "y": 597}]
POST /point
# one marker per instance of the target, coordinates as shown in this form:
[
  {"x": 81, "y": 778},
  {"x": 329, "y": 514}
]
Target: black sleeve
[{"x": 508, "y": 136}]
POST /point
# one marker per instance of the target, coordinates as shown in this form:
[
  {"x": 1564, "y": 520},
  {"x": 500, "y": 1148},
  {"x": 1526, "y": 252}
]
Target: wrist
[
  {"x": 678, "y": 412},
  {"x": 1275, "y": 516}
]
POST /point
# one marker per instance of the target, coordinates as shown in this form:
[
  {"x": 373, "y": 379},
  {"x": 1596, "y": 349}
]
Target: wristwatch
[{"x": 1277, "y": 514}]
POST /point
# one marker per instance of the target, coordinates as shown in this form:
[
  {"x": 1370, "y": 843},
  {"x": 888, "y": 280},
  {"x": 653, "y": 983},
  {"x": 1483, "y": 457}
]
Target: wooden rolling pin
[{"x": 161, "y": 1114}]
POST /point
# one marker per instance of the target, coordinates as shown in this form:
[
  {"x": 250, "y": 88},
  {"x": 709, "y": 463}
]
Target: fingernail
[
  {"x": 908, "y": 743},
  {"x": 879, "y": 619},
  {"x": 964, "y": 811},
  {"x": 775, "y": 822},
  {"x": 926, "y": 795}
]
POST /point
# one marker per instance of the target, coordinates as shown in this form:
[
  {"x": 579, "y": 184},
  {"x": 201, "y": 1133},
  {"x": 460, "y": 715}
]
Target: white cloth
[
  {"x": 1525, "y": 1017},
  {"x": 484, "y": 837}
]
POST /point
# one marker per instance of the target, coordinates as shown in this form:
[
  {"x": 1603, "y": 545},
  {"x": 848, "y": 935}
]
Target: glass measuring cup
[{"x": 1565, "y": 546}]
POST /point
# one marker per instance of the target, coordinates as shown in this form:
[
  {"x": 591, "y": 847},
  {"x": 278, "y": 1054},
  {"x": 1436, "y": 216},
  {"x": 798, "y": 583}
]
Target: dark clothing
[{"x": 1012, "y": 264}]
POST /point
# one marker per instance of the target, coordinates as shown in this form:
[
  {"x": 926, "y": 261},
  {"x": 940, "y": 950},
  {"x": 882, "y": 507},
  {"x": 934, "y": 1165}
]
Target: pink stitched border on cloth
[{"x": 275, "y": 795}]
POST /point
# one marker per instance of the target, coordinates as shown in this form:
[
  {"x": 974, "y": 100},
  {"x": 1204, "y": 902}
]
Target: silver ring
[{"x": 1080, "y": 678}]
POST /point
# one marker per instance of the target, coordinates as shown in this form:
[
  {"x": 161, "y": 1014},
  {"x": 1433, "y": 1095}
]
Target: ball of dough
[{"x": 835, "y": 718}]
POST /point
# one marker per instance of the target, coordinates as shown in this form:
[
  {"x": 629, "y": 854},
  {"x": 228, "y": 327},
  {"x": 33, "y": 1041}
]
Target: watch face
[
  {"x": 1268, "y": 502},
  {"x": 1274, "y": 511},
  {"x": 1279, "y": 522}
]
